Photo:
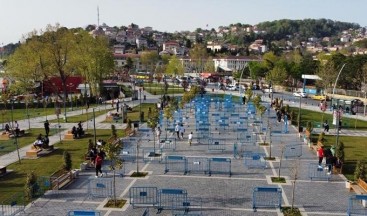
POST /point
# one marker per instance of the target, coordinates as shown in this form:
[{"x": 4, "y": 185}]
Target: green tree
[
  {"x": 174, "y": 67},
  {"x": 198, "y": 55},
  {"x": 112, "y": 150},
  {"x": 327, "y": 73},
  {"x": 149, "y": 59},
  {"x": 360, "y": 171},
  {"x": 152, "y": 123},
  {"x": 277, "y": 75},
  {"x": 209, "y": 65}
]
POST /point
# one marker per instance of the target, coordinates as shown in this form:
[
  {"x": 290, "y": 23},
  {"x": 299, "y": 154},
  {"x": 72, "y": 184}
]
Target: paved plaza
[{"x": 226, "y": 188}]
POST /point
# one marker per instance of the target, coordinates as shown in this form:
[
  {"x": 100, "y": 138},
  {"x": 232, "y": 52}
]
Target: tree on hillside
[
  {"x": 174, "y": 67},
  {"x": 277, "y": 75},
  {"x": 198, "y": 56}
]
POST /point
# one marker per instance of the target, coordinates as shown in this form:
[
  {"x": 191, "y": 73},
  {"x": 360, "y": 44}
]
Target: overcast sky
[{"x": 18, "y": 17}]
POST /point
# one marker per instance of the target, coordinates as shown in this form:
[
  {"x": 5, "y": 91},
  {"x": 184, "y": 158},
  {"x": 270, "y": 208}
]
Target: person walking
[
  {"x": 98, "y": 164},
  {"x": 177, "y": 130},
  {"x": 326, "y": 126},
  {"x": 158, "y": 134},
  {"x": 329, "y": 160},
  {"x": 320, "y": 154},
  {"x": 182, "y": 131},
  {"x": 190, "y": 138},
  {"x": 47, "y": 127}
]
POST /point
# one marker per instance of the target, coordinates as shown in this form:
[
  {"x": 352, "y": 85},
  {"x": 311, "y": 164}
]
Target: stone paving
[{"x": 220, "y": 194}]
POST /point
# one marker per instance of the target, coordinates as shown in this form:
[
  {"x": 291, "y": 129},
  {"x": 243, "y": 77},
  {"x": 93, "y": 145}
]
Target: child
[{"x": 190, "y": 138}]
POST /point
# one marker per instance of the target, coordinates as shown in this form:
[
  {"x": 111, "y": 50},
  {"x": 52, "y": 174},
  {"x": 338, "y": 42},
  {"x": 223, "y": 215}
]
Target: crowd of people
[
  {"x": 96, "y": 156},
  {"x": 78, "y": 132},
  {"x": 331, "y": 161}
]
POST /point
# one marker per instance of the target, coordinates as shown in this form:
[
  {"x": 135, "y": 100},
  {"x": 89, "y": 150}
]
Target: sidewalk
[
  {"x": 343, "y": 132},
  {"x": 38, "y": 122}
]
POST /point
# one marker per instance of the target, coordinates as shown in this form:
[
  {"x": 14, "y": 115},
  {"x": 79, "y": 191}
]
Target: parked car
[
  {"x": 300, "y": 94},
  {"x": 268, "y": 90},
  {"x": 320, "y": 97},
  {"x": 357, "y": 102}
]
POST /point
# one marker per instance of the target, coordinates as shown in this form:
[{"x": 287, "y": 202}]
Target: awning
[{"x": 205, "y": 75}]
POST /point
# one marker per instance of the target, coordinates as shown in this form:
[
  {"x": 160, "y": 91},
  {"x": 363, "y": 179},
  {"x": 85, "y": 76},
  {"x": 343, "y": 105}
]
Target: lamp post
[
  {"x": 71, "y": 96},
  {"x": 140, "y": 89},
  {"x": 94, "y": 126},
  {"x": 337, "y": 111},
  {"x": 14, "y": 133},
  {"x": 299, "y": 116}
]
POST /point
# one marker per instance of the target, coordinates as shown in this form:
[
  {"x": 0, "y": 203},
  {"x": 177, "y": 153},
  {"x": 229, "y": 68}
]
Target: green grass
[
  {"x": 134, "y": 114},
  {"x": 160, "y": 91},
  {"x": 82, "y": 117},
  {"x": 354, "y": 150},
  {"x": 20, "y": 114},
  {"x": 30, "y": 136},
  {"x": 14, "y": 181},
  {"x": 318, "y": 117}
]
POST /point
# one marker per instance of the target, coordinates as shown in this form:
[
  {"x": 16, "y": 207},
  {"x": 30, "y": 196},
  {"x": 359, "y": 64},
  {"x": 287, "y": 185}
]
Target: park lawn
[
  {"x": 14, "y": 181},
  {"x": 318, "y": 117},
  {"x": 20, "y": 114},
  {"x": 354, "y": 150},
  {"x": 30, "y": 136},
  {"x": 159, "y": 85},
  {"x": 134, "y": 114},
  {"x": 82, "y": 117},
  {"x": 159, "y": 91}
]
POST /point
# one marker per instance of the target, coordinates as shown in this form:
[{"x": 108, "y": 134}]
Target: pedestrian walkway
[
  {"x": 225, "y": 191},
  {"x": 63, "y": 128}
]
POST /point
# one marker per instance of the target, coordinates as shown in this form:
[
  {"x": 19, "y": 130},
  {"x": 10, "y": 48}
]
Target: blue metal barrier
[
  {"x": 143, "y": 196},
  {"x": 317, "y": 172},
  {"x": 83, "y": 213},
  {"x": 152, "y": 155},
  {"x": 167, "y": 198},
  {"x": 168, "y": 144},
  {"x": 266, "y": 197},
  {"x": 128, "y": 154},
  {"x": 197, "y": 165},
  {"x": 174, "y": 163},
  {"x": 254, "y": 161},
  {"x": 220, "y": 166},
  {"x": 293, "y": 150},
  {"x": 192, "y": 207},
  {"x": 357, "y": 205},
  {"x": 100, "y": 188},
  {"x": 217, "y": 145}
]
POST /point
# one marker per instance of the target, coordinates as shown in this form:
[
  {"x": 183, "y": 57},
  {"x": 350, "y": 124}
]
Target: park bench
[
  {"x": 360, "y": 187},
  {"x": 4, "y": 136},
  {"x": 68, "y": 136},
  {"x": 61, "y": 180},
  {"x": 34, "y": 153}
]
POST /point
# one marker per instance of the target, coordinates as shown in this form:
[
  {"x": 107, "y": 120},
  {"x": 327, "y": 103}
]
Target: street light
[
  {"x": 14, "y": 133},
  {"x": 140, "y": 89},
  {"x": 337, "y": 111}
]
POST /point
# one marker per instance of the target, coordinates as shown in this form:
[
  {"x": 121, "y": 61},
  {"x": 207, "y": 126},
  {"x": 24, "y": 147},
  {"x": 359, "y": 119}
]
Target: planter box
[{"x": 348, "y": 184}]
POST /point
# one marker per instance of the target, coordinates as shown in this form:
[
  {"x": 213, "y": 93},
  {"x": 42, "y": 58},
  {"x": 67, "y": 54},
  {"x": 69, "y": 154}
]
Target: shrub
[
  {"x": 339, "y": 151},
  {"x": 360, "y": 171},
  {"x": 309, "y": 126},
  {"x": 30, "y": 182},
  {"x": 67, "y": 161}
]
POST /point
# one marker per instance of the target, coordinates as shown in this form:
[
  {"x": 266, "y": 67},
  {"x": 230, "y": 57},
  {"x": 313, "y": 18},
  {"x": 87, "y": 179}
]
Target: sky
[{"x": 19, "y": 17}]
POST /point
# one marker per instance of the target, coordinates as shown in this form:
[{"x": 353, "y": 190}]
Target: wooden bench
[
  {"x": 4, "y": 136},
  {"x": 69, "y": 136},
  {"x": 32, "y": 153},
  {"x": 360, "y": 187},
  {"x": 61, "y": 181}
]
